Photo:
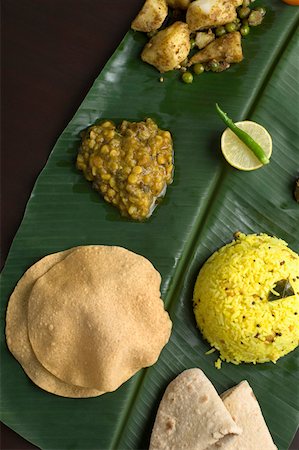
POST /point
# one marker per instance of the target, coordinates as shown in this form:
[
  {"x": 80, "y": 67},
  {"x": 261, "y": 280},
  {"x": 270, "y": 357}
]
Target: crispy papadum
[
  {"x": 96, "y": 317},
  {"x": 17, "y": 333}
]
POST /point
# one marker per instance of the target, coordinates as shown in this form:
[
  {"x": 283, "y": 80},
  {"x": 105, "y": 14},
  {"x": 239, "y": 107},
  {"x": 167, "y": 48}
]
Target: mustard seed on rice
[{"x": 234, "y": 288}]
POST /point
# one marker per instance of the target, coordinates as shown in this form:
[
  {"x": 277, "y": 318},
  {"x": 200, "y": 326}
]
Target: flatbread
[
  {"x": 17, "y": 334},
  {"x": 96, "y": 317},
  {"x": 240, "y": 401},
  {"x": 191, "y": 415}
]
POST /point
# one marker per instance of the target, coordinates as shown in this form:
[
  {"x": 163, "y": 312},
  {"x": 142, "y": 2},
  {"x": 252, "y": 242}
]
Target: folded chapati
[
  {"x": 191, "y": 415},
  {"x": 240, "y": 401},
  {"x": 17, "y": 333},
  {"x": 96, "y": 317}
]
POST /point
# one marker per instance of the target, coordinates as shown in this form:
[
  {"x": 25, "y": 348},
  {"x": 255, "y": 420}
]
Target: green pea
[
  {"x": 244, "y": 30},
  {"x": 198, "y": 68},
  {"x": 192, "y": 43},
  {"x": 243, "y": 12},
  {"x": 230, "y": 27},
  {"x": 220, "y": 31},
  {"x": 187, "y": 77}
]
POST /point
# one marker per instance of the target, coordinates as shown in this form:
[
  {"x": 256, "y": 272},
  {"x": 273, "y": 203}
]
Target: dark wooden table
[{"x": 52, "y": 50}]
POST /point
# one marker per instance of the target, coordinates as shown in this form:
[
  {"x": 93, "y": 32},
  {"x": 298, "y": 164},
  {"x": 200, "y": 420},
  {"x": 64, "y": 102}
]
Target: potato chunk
[
  {"x": 226, "y": 48},
  {"x": 203, "y": 14},
  {"x": 202, "y": 38},
  {"x": 151, "y": 16},
  {"x": 180, "y": 4},
  {"x": 168, "y": 48}
]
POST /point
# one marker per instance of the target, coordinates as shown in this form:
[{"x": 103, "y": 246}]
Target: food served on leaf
[
  {"x": 203, "y": 38},
  {"x": 205, "y": 32},
  {"x": 246, "y": 300},
  {"x": 226, "y": 49},
  {"x": 151, "y": 16},
  {"x": 83, "y": 321},
  {"x": 191, "y": 415},
  {"x": 243, "y": 406},
  {"x": 130, "y": 166},
  {"x": 238, "y": 154},
  {"x": 17, "y": 333},
  {"x": 245, "y": 145},
  {"x": 168, "y": 48},
  {"x": 204, "y": 14}
]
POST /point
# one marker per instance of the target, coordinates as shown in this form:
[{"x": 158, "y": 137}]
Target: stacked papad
[
  {"x": 17, "y": 333},
  {"x": 83, "y": 321}
]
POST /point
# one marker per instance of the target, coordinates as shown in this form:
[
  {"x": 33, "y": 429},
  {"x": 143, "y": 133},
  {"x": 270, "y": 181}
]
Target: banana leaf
[{"x": 207, "y": 202}]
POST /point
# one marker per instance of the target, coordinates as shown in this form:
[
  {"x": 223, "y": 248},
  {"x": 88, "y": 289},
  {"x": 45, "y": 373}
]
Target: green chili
[{"x": 244, "y": 137}]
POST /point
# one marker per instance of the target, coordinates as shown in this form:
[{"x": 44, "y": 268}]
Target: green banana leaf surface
[{"x": 206, "y": 203}]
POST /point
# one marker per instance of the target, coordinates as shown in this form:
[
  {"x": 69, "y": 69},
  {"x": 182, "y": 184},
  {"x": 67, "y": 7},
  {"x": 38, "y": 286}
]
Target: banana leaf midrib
[
  {"x": 190, "y": 248},
  {"x": 277, "y": 56}
]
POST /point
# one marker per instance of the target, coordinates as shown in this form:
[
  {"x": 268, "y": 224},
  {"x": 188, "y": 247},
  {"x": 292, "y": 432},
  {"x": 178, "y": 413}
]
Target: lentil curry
[{"x": 130, "y": 166}]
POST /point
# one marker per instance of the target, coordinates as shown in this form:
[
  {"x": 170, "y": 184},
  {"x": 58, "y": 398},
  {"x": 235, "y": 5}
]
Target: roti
[
  {"x": 245, "y": 410},
  {"x": 17, "y": 333},
  {"x": 96, "y": 317},
  {"x": 191, "y": 415}
]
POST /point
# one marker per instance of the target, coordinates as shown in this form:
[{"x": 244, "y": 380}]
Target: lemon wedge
[{"x": 237, "y": 154}]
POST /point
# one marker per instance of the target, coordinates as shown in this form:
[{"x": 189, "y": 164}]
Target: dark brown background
[{"x": 52, "y": 50}]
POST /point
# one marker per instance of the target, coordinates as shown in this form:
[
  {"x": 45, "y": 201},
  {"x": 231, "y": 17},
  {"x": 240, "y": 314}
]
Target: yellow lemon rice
[{"x": 233, "y": 305}]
